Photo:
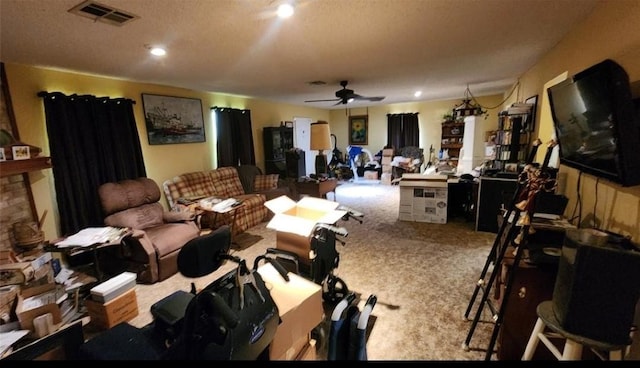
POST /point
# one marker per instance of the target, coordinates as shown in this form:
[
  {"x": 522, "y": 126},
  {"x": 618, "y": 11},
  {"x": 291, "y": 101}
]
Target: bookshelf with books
[
  {"x": 452, "y": 137},
  {"x": 511, "y": 140}
]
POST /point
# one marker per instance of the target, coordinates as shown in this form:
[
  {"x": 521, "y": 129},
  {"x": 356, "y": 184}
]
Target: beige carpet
[{"x": 423, "y": 275}]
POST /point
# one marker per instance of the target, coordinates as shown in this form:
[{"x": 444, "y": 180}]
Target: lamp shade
[{"x": 320, "y": 136}]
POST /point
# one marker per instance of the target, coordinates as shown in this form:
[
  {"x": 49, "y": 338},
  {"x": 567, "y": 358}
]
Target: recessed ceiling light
[
  {"x": 417, "y": 94},
  {"x": 285, "y": 10},
  {"x": 158, "y": 51}
]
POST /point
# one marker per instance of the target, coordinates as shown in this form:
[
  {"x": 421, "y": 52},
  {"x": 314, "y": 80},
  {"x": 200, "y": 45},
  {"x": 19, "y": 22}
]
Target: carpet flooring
[{"x": 422, "y": 274}]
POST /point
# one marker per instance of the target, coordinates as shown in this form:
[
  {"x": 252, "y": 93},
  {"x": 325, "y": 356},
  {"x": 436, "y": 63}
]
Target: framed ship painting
[{"x": 171, "y": 120}]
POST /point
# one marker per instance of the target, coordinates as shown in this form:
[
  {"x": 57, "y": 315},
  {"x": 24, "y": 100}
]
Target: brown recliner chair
[{"x": 158, "y": 235}]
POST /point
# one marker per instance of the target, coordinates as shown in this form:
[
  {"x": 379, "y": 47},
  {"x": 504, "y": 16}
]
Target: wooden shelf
[
  {"x": 15, "y": 167},
  {"x": 451, "y": 145}
]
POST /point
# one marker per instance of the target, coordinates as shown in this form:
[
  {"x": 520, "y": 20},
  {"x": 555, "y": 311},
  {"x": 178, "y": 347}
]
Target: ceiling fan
[{"x": 344, "y": 96}]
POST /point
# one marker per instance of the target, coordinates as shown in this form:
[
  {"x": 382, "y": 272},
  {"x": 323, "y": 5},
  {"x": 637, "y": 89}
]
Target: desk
[
  {"x": 317, "y": 189},
  {"x": 71, "y": 251}
]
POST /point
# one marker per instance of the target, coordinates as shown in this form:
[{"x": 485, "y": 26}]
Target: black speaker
[{"x": 597, "y": 288}]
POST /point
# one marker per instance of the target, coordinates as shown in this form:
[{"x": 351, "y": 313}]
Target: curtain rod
[
  {"x": 46, "y": 94},
  {"x": 404, "y": 113},
  {"x": 228, "y": 108}
]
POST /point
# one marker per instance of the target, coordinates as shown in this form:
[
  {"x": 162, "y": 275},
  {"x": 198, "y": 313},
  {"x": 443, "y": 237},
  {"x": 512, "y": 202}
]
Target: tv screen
[{"x": 596, "y": 124}]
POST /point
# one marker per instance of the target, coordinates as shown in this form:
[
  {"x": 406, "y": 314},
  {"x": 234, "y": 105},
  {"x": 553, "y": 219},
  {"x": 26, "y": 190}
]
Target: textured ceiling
[{"x": 382, "y": 47}]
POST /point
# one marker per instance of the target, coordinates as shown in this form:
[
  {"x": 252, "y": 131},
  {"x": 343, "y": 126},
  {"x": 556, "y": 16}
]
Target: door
[{"x": 302, "y": 140}]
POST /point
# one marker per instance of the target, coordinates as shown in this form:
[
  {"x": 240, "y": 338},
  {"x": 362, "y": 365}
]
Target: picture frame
[
  {"x": 529, "y": 125},
  {"x": 511, "y": 167},
  {"x": 173, "y": 120},
  {"x": 2, "y": 155},
  {"x": 20, "y": 152},
  {"x": 358, "y": 130},
  {"x": 288, "y": 124}
]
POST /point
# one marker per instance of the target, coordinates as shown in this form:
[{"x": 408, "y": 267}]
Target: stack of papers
[{"x": 92, "y": 235}]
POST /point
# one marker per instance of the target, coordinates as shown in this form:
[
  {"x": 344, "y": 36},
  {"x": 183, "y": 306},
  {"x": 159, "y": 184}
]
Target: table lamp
[{"x": 320, "y": 141}]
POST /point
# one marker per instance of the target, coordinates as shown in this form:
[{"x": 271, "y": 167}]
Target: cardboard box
[
  {"x": 299, "y": 304},
  {"x": 121, "y": 309},
  {"x": 371, "y": 175},
  {"x": 387, "y": 152},
  {"x": 114, "y": 287},
  {"x": 25, "y": 310},
  {"x": 294, "y": 222},
  {"x": 423, "y": 198},
  {"x": 309, "y": 352}
]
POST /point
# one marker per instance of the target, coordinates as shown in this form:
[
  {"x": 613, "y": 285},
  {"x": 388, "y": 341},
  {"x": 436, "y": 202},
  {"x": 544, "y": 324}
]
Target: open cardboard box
[
  {"x": 26, "y": 313},
  {"x": 299, "y": 304},
  {"x": 294, "y": 222}
]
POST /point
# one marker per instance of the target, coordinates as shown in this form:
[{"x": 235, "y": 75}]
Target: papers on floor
[
  {"x": 7, "y": 339},
  {"x": 92, "y": 235}
]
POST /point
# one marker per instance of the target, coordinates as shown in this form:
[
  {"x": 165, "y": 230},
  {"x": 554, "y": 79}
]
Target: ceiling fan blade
[
  {"x": 333, "y": 99},
  {"x": 365, "y": 98}
]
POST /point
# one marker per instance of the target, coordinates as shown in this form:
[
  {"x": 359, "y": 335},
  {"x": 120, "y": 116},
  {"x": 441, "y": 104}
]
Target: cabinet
[
  {"x": 511, "y": 140},
  {"x": 532, "y": 284},
  {"x": 452, "y": 138},
  {"x": 493, "y": 194},
  {"x": 277, "y": 141}
]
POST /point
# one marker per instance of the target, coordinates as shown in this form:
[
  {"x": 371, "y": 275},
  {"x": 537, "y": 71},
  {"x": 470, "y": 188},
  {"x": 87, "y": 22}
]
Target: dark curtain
[
  {"x": 92, "y": 140},
  {"x": 234, "y": 137},
  {"x": 403, "y": 130}
]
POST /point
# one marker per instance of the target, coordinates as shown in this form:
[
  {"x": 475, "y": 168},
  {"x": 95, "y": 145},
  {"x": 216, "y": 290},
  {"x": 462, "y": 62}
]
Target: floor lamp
[{"x": 320, "y": 141}]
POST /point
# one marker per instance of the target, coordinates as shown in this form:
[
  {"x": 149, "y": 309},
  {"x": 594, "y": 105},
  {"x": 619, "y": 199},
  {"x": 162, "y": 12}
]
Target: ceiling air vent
[{"x": 102, "y": 13}]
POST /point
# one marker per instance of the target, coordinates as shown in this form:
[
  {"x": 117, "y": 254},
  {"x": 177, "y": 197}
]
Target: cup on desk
[{"x": 43, "y": 325}]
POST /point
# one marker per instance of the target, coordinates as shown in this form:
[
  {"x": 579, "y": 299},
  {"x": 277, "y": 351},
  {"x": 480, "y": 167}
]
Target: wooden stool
[{"x": 574, "y": 344}]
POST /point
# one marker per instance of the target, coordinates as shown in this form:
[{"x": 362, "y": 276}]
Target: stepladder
[{"x": 512, "y": 236}]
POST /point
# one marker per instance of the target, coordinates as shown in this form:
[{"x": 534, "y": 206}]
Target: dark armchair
[
  {"x": 410, "y": 161},
  {"x": 254, "y": 181},
  {"x": 158, "y": 235}
]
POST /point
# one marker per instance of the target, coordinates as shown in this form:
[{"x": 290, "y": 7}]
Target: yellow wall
[
  {"x": 429, "y": 119},
  {"x": 165, "y": 161},
  {"x": 161, "y": 161},
  {"x": 611, "y": 32}
]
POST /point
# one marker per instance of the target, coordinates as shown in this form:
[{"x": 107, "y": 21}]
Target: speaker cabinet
[{"x": 596, "y": 289}]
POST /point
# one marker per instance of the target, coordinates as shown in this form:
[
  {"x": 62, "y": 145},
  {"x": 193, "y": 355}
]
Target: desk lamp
[{"x": 320, "y": 141}]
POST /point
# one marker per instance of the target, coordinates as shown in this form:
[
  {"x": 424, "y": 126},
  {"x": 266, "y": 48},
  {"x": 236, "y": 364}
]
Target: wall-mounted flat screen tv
[{"x": 596, "y": 123}]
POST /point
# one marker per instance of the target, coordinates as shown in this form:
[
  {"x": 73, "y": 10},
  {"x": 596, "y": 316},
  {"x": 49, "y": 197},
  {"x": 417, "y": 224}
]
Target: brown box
[
  {"x": 294, "y": 222},
  {"x": 298, "y": 244},
  {"x": 299, "y": 304},
  {"x": 308, "y": 351},
  {"x": 121, "y": 309},
  {"x": 371, "y": 175},
  {"x": 25, "y": 317},
  {"x": 386, "y": 160},
  {"x": 387, "y": 152}
]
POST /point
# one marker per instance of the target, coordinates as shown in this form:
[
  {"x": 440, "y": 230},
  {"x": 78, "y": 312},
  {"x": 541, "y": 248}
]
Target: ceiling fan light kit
[{"x": 345, "y": 96}]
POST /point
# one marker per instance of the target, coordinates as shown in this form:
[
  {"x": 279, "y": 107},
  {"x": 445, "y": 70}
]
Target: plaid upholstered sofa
[{"x": 225, "y": 183}]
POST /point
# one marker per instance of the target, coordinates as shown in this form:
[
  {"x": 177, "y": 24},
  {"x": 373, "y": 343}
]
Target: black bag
[{"x": 220, "y": 325}]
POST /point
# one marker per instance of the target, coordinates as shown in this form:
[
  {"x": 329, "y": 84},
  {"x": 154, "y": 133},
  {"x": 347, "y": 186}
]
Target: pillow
[{"x": 265, "y": 182}]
